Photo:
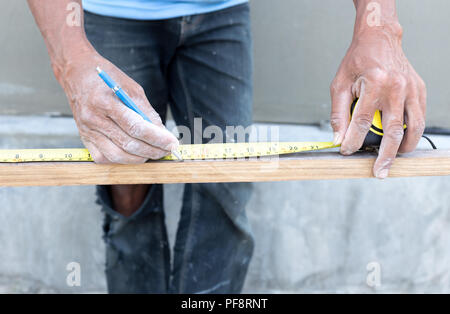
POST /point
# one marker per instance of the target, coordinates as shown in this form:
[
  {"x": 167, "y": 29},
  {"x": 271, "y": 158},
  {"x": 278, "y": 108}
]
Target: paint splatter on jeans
[{"x": 200, "y": 66}]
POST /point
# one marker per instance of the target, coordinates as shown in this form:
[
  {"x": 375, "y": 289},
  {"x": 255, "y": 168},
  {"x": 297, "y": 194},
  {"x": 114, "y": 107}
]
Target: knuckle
[
  {"x": 363, "y": 121},
  {"x": 395, "y": 132},
  {"x": 132, "y": 147},
  {"x": 336, "y": 122},
  {"x": 156, "y": 119},
  {"x": 114, "y": 158},
  {"x": 399, "y": 82},
  {"x": 85, "y": 116},
  {"x": 357, "y": 61},
  {"x": 378, "y": 75},
  {"x": 135, "y": 130},
  {"x": 339, "y": 118},
  {"x": 337, "y": 86},
  {"x": 421, "y": 124},
  {"x": 417, "y": 128},
  {"x": 140, "y": 89},
  {"x": 421, "y": 84},
  {"x": 334, "y": 87}
]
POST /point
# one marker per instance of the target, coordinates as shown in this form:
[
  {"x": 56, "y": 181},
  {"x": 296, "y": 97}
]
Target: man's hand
[
  {"x": 376, "y": 70},
  {"x": 110, "y": 131}
]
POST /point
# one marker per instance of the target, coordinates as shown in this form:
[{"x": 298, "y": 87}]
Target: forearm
[
  {"x": 376, "y": 15},
  {"x": 64, "y": 40}
]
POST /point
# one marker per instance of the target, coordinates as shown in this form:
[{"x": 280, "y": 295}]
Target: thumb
[{"x": 341, "y": 100}]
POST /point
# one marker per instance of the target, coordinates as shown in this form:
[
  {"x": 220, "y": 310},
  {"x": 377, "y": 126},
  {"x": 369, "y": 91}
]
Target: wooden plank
[{"x": 305, "y": 166}]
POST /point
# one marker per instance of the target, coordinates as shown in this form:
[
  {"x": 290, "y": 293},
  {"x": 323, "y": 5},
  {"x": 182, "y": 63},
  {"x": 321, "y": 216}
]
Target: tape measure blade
[
  {"x": 188, "y": 152},
  {"x": 244, "y": 150},
  {"x": 45, "y": 155}
]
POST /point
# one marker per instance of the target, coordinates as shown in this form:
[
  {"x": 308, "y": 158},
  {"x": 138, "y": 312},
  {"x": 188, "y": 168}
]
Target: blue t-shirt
[{"x": 155, "y": 9}]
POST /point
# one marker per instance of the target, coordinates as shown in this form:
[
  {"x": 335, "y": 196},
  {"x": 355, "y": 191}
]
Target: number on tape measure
[{"x": 188, "y": 152}]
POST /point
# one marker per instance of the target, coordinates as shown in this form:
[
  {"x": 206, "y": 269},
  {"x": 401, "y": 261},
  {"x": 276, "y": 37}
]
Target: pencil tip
[
  {"x": 177, "y": 155},
  {"x": 99, "y": 70}
]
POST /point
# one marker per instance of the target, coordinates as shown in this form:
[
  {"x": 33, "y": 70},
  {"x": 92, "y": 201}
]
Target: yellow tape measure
[{"x": 188, "y": 152}]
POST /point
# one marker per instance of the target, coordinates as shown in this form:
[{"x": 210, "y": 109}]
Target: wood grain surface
[{"x": 304, "y": 166}]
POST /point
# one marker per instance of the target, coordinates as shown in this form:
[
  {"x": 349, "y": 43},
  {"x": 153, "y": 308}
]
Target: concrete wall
[
  {"x": 311, "y": 236},
  {"x": 298, "y": 47}
]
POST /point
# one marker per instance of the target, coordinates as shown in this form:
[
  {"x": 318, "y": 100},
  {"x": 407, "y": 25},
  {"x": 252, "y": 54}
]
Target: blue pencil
[{"x": 126, "y": 100}]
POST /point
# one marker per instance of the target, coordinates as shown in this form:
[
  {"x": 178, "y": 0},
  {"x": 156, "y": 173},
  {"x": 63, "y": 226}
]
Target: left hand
[{"x": 376, "y": 70}]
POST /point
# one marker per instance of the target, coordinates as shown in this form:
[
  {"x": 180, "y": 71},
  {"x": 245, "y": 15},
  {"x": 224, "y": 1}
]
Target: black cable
[{"x": 429, "y": 141}]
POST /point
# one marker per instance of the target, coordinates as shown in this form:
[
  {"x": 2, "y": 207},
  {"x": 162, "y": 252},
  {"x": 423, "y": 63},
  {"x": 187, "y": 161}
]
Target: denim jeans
[{"x": 200, "y": 66}]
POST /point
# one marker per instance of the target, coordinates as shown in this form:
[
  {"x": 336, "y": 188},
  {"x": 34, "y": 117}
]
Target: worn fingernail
[
  {"x": 382, "y": 174},
  {"x": 337, "y": 140}
]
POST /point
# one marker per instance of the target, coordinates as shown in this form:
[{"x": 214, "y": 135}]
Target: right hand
[{"x": 110, "y": 131}]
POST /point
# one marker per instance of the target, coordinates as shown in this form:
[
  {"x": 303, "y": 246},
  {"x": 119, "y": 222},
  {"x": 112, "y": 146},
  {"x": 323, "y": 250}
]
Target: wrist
[
  {"x": 373, "y": 16},
  {"x": 67, "y": 54}
]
